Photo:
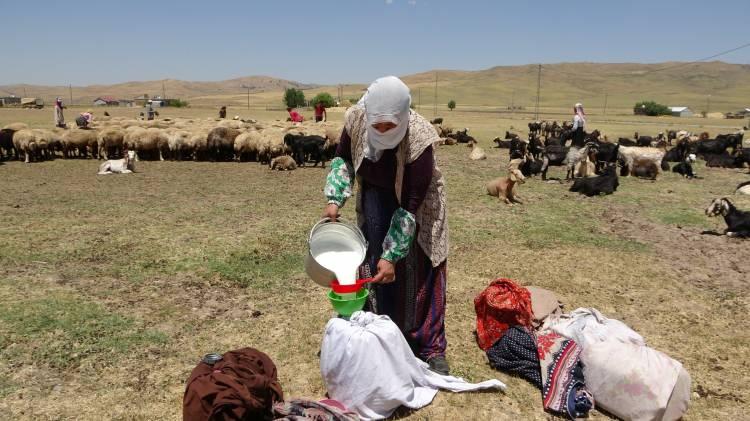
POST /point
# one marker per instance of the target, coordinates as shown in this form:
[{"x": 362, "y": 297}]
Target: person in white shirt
[{"x": 579, "y": 125}]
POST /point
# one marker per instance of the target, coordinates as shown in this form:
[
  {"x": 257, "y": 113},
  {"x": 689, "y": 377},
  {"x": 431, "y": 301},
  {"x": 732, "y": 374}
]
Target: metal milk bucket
[{"x": 325, "y": 236}]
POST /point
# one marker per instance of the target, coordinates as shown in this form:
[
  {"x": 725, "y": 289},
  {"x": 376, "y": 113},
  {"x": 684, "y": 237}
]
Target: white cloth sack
[
  {"x": 588, "y": 325},
  {"x": 368, "y": 366},
  {"x": 626, "y": 377}
]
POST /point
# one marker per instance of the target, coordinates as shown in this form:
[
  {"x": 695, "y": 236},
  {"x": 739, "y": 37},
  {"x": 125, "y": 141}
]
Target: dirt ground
[{"x": 112, "y": 287}]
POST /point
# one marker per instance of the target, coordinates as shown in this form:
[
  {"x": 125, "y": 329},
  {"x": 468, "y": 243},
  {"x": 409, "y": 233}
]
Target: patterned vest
[{"x": 431, "y": 216}]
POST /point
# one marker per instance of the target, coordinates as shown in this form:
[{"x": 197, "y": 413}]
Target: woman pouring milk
[{"x": 401, "y": 210}]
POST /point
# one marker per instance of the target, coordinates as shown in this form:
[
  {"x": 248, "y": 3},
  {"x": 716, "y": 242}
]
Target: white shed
[{"x": 681, "y": 112}]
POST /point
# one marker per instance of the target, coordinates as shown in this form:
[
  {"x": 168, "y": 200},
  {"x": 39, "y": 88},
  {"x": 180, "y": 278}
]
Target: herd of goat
[{"x": 592, "y": 162}]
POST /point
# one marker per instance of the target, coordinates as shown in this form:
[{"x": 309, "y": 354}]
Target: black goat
[
  {"x": 518, "y": 148},
  {"x": 438, "y": 120},
  {"x": 461, "y": 136},
  {"x": 606, "y": 155},
  {"x": 724, "y": 160},
  {"x": 685, "y": 168},
  {"x": 535, "y": 127},
  {"x": 553, "y": 155},
  {"x": 504, "y": 144},
  {"x": 7, "y": 150},
  {"x": 719, "y": 145},
  {"x": 601, "y": 184},
  {"x": 531, "y": 167},
  {"x": 642, "y": 140},
  {"x": 302, "y": 146},
  {"x": 535, "y": 146},
  {"x": 624, "y": 141},
  {"x": 677, "y": 154},
  {"x": 738, "y": 222}
]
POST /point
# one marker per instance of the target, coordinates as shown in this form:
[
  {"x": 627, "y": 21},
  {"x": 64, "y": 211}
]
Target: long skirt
[
  {"x": 415, "y": 301},
  {"x": 579, "y": 138},
  {"x": 59, "y": 119}
]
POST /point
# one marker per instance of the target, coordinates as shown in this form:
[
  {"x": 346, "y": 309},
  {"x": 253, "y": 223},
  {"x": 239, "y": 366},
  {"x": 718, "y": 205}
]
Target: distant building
[
  {"x": 126, "y": 102},
  {"x": 106, "y": 100},
  {"x": 681, "y": 112},
  {"x": 10, "y": 100},
  {"x": 141, "y": 100}
]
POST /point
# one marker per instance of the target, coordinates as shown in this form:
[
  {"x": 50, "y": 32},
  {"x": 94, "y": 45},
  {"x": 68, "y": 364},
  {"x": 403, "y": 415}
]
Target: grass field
[{"x": 113, "y": 287}]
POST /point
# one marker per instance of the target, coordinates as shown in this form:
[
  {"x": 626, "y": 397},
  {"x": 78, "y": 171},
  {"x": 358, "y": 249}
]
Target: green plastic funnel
[{"x": 347, "y": 307}]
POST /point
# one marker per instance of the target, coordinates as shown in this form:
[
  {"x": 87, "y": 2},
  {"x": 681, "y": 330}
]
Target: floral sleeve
[
  {"x": 339, "y": 182},
  {"x": 400, "y": 236}
]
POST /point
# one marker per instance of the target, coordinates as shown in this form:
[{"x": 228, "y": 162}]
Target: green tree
[
  {"x": 294, "y": 98},
  {"x": 325, "y": 98},
  {"x": 651, "y": 108},
  {"x": 451, "y": 104}
]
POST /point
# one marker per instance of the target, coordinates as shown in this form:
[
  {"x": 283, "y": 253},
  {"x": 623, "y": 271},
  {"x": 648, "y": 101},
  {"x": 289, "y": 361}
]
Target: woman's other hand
[
  {"x": 386, "y": 272},
  {"x": 331, "y": 211}
]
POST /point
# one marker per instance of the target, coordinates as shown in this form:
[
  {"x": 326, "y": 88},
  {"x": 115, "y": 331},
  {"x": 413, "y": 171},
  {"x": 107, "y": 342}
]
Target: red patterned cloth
[{"x": 501, "y": 305}]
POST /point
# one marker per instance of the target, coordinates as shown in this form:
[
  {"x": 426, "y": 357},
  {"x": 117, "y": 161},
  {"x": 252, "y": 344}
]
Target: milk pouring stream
[{"x": 343, "y": 263}]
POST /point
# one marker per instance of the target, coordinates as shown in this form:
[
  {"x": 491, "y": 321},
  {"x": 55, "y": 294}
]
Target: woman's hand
[
  {"x": 386, "y": 272},
  {"x": 331, "y": 211}
]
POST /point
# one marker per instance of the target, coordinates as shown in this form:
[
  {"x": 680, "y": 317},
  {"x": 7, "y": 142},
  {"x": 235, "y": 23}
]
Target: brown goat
[{"x": 504, "y": 188}]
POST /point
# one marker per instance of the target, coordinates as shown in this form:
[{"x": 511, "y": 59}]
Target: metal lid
[{"x": 212, "y": 358}]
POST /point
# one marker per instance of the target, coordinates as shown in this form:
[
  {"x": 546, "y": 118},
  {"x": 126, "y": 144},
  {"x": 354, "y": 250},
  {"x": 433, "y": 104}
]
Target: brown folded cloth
[
  {"x": 544, "y": 303},
  {"x": 242, "y": 386}
]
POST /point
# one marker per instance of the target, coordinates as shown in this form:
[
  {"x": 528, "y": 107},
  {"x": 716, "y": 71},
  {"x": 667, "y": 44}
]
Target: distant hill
[
  {"x": 716, "y": 86},
  {"x": 564, "y": 84},
  {"x": 171, "y": 87}
]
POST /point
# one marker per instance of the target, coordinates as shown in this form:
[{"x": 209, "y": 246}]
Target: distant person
[
  {"x": 223, "y": 112},
  {"x": 59, "y": 118},
  {"x": 579, "y": 125},
  {"x": 150, "y": 113},
  {"x": 84, "y": 120},
  {"x": 294, "y": 116},
  {"x": 320, "y": 112}
]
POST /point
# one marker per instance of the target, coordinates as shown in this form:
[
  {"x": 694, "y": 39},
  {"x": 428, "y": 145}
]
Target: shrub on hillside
[{"x": 651, "y": 108}]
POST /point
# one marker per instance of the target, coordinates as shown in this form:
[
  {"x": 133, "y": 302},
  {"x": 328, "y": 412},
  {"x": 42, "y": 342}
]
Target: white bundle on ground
[
  {"x": 368, "y": 366},
  {"x": 627, "y": 378}
]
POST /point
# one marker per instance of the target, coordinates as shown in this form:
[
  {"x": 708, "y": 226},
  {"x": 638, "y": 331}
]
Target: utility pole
[
  {"x": 248, "y": 95},
  {"x": 605, "y": 103},
  {"x": 513, "y": 103},
  {"x": 434, "y": 110},
  {"x": 419, "y": 101},
  {"x": 163, "y": 91},
  {"x": 24, "y": 92},
  {"x": 538, "y": 89},
  {"x": 70, "y": 88}
]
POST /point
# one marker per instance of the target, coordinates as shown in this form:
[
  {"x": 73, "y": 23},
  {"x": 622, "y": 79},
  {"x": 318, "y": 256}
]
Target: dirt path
[{"x": 703, "y": 259}]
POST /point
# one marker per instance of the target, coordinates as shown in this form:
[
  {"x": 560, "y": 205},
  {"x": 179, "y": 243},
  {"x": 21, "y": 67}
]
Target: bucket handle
[{"x": 326, "y": 219}]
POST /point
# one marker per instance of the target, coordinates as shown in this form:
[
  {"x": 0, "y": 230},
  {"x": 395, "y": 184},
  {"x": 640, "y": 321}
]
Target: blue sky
[{"x": 339, "y": 41}]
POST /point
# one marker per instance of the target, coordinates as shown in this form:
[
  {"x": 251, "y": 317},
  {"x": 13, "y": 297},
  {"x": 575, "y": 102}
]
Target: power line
[{"x": 673, "y": 66}]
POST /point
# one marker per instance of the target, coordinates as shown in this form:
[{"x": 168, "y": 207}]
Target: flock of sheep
[{"x": 175, "y": 139}]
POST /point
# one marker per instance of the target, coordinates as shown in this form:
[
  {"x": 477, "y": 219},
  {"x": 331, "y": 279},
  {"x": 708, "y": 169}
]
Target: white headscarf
[{"x": 386, "y": 100}]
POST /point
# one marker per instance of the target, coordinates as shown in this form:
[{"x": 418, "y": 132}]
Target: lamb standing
[{"x": 119, "y": 166}]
